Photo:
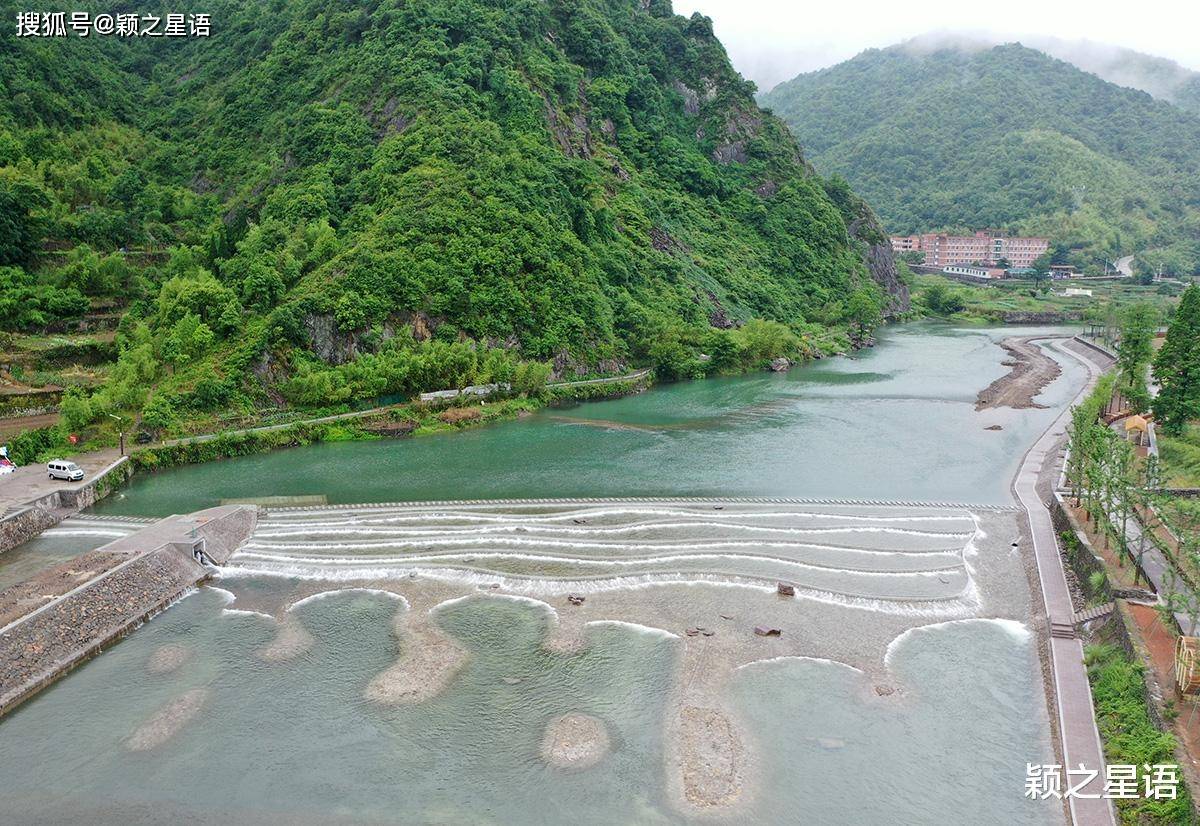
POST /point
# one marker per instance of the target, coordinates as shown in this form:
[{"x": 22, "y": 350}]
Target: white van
[{"x": 62, "y": 469}]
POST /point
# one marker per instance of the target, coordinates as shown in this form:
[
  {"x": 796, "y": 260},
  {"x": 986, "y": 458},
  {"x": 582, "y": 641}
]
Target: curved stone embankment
[
  {"x": 1030, "y": 371},
  {"x": 102, "y": 596},
  {"x": 428, "y": 661}
]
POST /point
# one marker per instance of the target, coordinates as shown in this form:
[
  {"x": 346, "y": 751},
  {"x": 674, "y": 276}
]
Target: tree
[
  {"x": 20, "y": 231},
  {"x": 1135, "y": 349},
  {"x": 864, "y": 309},
  {"x": 1177, "y": 366},
  {"x": 942, "y": 300},
  {"x": 75, "y": 409},
  {"x": 189, "y": 339}
]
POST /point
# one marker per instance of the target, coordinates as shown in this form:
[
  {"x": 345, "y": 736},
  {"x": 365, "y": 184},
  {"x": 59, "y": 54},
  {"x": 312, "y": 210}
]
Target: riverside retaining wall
[
  {"x": 147, "y": 571},
  {"x": 20, "y": 525}
]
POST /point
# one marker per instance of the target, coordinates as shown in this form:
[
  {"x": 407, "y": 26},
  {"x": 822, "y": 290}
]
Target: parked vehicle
[{"x": 62, "y": 469}]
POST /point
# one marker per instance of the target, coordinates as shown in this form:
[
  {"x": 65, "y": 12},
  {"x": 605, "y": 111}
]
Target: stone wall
[
  {"x": 152, "y": 568},
  {"x": 21, "y": 525},
  {"x": 224, "y": 533},
  {"x": 40, "y": 648}
]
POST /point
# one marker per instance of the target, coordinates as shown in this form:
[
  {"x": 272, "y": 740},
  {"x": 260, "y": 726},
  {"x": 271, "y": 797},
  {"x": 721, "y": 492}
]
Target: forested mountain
[
  {"x": 1157, "y": 76},
  {"x": 1005, "y": 137},
  {"x": 324, "y": 201}
]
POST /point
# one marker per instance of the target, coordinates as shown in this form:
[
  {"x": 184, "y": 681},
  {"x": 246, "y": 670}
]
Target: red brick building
[{"x": 983, "y": 248}]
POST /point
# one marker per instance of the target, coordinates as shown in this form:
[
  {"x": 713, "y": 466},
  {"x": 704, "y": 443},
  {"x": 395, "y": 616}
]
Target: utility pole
[{"x": 120, "y": 430}]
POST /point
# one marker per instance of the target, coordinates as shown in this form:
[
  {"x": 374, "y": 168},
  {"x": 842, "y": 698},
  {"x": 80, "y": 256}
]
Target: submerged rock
[
  {"x": 290, "y": 641},
  {"x": 767, "y": 631},
  {"x": 429, "y": 661},
  {"x": 711, "y": 755},
  {"x": 167, "y": 721},
  {"x": 575, "y": 741},
  {"x": 167, "y": 658}
]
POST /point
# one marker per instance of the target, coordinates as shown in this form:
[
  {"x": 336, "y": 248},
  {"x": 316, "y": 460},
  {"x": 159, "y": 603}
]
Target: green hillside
[
  {"x": 1005, "y": 137},
  {"x": 328, "y": 202}
]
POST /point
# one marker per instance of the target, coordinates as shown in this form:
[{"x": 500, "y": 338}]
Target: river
[
  {"x": 893, "y": 422},
  {"x": 905, "y": 687}
]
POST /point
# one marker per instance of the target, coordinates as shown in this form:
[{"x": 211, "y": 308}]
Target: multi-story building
[{"x": 983, "y": 247}]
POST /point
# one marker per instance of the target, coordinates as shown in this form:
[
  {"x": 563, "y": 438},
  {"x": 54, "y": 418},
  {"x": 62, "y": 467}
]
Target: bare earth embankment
[{"x": 1031, "y": 370}]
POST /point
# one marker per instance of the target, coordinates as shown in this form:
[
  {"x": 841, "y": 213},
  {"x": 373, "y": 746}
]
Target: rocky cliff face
[
  {"x": 881, "y": 263},
  {"x": 875, "y": 248}
]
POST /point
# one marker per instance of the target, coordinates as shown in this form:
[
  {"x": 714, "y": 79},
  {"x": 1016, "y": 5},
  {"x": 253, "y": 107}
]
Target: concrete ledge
[
  {"x": 23, "y": 523},
  {"x": 46, "y": 646},
  {"x": 162, "y": 561}
]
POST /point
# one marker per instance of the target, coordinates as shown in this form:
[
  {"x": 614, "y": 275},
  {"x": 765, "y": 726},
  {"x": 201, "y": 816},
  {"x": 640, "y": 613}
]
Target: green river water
[
  {"x": 295, "y": 741},
  {"x": 894, "y": 422}
]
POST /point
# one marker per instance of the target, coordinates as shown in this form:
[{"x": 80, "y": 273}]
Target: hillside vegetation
[
  {"x": 328, "y": 203},
  {"x": 1006, "y": 137}
]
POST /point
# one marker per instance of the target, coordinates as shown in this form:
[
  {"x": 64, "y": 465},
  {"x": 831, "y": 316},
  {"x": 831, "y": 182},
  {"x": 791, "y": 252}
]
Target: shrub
[{"x": 459, "y": 415}]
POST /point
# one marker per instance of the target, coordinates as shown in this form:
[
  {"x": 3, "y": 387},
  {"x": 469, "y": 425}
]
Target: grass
[
  {"x": 1180, "y": 457},
  {"x": 1129, "y": 734},
  {"x": 997, "y": 297}
]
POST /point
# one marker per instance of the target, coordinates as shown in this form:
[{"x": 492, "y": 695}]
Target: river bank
[
  {"x": 602, "y": 656},
  {"x": 899, "y": 416}
]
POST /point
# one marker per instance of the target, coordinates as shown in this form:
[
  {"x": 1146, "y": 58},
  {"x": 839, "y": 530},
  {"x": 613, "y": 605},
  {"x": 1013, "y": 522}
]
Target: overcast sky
[{"x": 774, "y": 40}]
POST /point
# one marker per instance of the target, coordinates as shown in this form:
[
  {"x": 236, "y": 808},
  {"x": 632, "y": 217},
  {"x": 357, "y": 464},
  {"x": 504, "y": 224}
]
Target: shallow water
[
  {"x": 951, "y": 749},
  {"x": 68, "y": 540},
  {"x": 297, "y": 742},
  {"x": 894, "y": 422}
]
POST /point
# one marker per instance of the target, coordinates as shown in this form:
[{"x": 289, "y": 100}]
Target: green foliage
[
  {"x": 187, "y": 341},
  {"x": 1135, "y": 350},
  {"x": 933, "y": 141},
  {"x": 941, "y": 300},
  {"x": 864, "y": 310},
  {"x": 75, "y": 409},
  {"x": 1129, "y": 734},
  {"x": 27, "y": 305},
  {"x": 550, "y": 179},
  {"x": 404, "y": 367},
  {"x": 1177, "y": 366},
  {"x": 36, "y": 445}
]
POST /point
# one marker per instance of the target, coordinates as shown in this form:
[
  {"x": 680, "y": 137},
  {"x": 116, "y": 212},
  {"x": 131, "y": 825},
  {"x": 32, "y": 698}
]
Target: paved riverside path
[
  {"x": 1072, "y": 693},
  {"x": 361, "y": 414}
]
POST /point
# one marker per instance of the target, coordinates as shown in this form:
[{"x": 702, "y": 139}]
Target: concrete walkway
[
  {"x": 1073, "y": 695},
  {"x": 31, "y": 482}
]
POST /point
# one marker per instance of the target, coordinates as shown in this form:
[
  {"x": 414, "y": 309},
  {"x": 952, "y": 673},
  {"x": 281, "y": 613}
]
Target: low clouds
[{"x": 771, "y": 41}]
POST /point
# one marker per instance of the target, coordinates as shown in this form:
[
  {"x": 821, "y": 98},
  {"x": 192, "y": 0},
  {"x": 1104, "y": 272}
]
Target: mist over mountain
[
  {"x": 1157, "y": 76},
  {"x": 973, "y": 136}
]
